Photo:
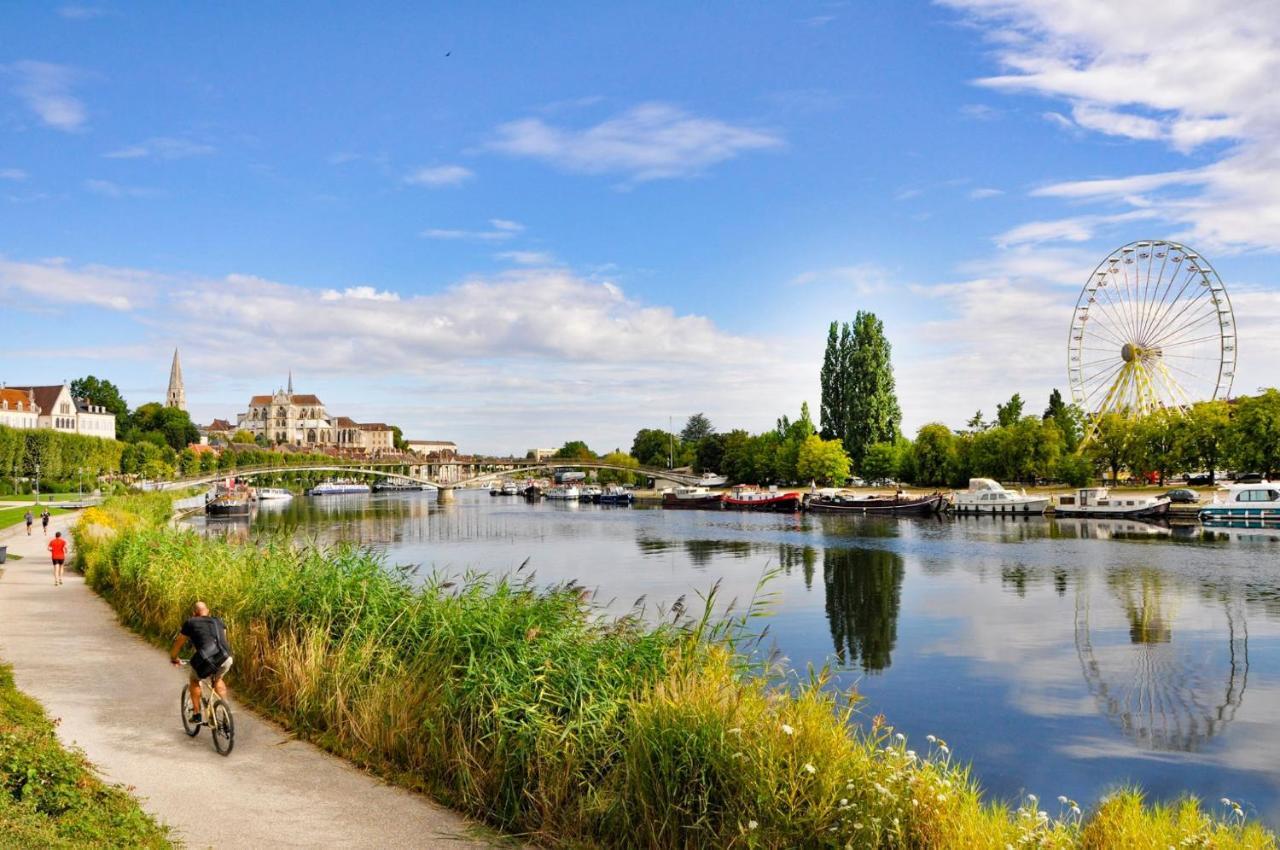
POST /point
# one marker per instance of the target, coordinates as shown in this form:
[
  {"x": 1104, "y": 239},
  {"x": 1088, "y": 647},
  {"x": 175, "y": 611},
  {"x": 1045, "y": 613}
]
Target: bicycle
[{"x": 215, "y": 713}]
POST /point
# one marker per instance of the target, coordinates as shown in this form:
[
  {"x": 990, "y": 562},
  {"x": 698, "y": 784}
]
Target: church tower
[{"x": 177, "y": 393}]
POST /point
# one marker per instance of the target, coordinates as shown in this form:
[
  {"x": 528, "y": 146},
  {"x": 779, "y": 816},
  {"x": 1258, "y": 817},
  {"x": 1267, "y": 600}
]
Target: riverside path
[{"x": 117, "y": 699}]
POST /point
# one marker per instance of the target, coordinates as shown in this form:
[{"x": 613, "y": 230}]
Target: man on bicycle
[{"x": 211, "y": 658}]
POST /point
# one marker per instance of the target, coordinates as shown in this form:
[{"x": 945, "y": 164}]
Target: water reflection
[
  {"x": 1156, "y": 692},
  {"x": 863, "y": 593}
]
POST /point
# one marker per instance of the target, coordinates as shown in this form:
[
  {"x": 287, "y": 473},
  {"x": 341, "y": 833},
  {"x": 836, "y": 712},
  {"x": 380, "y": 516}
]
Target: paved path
[{"x": 117, "y": 698}]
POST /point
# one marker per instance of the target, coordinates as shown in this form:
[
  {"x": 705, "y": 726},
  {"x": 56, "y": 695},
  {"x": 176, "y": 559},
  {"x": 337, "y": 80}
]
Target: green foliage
[
  {"x": 397, "y": 439},
  {"x": 1069, "y": 418},
  {"x": 880, "y": 463},
  {"x": 1008, "y": 414},
  {"x": 242, "y": 436},
  {"x": 618, "y": 457},
  {"x": 60, "y": 456},
  {"x": 709, "y": 454},
  {"x": 934, "y": 455},
  {"x": 859, "y": 403},
  {"x": 172, "y": 425},
  {"x": 103, "y": 393},
  {"x": 697, "y": 429},
  {"x": 148, "y": 460},
  {"x": 1156, "y": 443},
  {"x": 1206, "y": 436},
  {"x": 574, "y": 450},
  {"x": 1112, "y": 444},
  {"x": 51, "y": 796},
  {"x": 831, "y": 408},
  {"x": 1074, "y": 469},
  {"x": 823, "y": 461},
  {"x": 1256, "y": 432}
]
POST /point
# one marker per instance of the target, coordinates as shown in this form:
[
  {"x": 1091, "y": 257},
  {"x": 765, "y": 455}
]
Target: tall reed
[{"x": 525, "y": 707}]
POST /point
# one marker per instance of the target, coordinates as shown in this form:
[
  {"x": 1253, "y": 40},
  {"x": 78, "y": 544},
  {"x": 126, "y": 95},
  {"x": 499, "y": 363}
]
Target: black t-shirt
[{"x": 208, "y": 637}]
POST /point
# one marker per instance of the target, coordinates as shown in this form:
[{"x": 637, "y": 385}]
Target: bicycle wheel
[
  {"x": 189, "y": 726},
  {"x": 224, "y": 727}
]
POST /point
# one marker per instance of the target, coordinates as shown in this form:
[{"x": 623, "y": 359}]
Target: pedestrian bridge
[{"x": 420, "y": 473}]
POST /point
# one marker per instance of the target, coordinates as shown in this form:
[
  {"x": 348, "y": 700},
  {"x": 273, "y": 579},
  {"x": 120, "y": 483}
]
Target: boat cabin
[{"x": 1265, "y": 492}]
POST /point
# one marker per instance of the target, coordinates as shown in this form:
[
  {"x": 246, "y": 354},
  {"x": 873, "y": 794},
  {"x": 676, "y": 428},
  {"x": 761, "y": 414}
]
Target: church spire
[
  {"x": 290, "y": 382},
  {"x": 177, "y": 396}
]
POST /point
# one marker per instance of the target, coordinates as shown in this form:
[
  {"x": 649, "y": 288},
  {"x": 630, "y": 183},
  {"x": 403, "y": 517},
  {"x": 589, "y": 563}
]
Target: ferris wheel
[{"x": 1153, "y": 328}]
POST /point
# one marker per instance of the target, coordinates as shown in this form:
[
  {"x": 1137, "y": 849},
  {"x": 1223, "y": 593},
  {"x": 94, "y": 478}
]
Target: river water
[{"x": 1065, "y": 657}]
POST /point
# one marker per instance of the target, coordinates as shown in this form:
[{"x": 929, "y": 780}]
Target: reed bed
[{"x": 524, "y": 707}]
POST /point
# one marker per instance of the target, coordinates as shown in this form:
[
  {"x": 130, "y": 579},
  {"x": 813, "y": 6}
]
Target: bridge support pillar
[{"x": 444, "y": 495}]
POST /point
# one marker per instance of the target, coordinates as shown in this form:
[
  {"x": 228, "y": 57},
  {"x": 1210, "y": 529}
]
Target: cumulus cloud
[
  {"x": 528, "y": 258},
  {"x": 500, "y": 229},
  {"x": 161, "y": 147},
  {"x": 37, "y": 284},
  {"x": 358, "y": 293},
  {"x": 46, "y": 90},
  {"x": 439, "y": 175},
  {"x": 1186, "y": 76},
  {"x": 652, "y": 141},
  {"x": 861, "y": 278}
]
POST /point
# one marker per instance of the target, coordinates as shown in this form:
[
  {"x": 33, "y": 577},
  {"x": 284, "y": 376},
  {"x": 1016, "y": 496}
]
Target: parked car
[
  {"x": 1249, "y": 478},
  {"x": 1183, "y": 496},
  {"x": 1199, "y": 480}
]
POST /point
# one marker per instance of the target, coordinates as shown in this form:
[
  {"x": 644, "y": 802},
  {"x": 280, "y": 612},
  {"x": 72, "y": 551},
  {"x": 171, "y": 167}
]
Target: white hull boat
[
  {"x": 1098, "y": 502},
  {"x": 986, "y": 496}
]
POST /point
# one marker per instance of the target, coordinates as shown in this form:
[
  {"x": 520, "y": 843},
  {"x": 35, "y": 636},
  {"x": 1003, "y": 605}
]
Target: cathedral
[{"x": 298, "y": 419}]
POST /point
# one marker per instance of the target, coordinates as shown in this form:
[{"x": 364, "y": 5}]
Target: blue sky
[{"x": 517, "y": 224}]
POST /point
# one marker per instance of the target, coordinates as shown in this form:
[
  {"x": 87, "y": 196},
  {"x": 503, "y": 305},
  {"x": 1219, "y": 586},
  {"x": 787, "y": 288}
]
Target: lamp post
[
  {"x": 80, "y": 484},
  {"x": 37, "y": 483}
]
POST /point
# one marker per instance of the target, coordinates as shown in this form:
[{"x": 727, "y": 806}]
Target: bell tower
[{"x": 177, "y": 396}]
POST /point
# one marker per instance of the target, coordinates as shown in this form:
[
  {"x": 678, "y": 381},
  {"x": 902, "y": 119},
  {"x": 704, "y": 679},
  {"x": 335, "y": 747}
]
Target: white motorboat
[
  {"x": 710, "y": 479},
  {"x": 986, "y": 496},
  {"x": 495, "y": 488},
  {"x": 272, "y": 494},
  {"x": 590, "y": 493},
  {"x": 1098, "y": 502},
  {"x": 563, "y": 494},
  {"x": 338, "y": 488},
  {"x": 1252, "y": 503},
  {"x": 511, "y": 488}
]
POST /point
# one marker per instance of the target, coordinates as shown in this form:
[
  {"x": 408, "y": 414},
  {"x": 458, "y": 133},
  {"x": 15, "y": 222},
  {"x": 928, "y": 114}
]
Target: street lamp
[{"x": 37, "y": 483}]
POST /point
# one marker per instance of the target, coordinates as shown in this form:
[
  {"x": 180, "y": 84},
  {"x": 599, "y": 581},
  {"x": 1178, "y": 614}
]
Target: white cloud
[
  {"x": 109, "y": 189},
  {"x": 440, "y": 175},
  {"x": 37, "y": 284},
  {"x": 161, "y": 147},
  {"x": 528, "y": 258},
  {"x": 15, "y": 174},
  {"x": 861, "y": 278},
  {"x": 358, "y": 293},
  {"x": 652, "y": 141},
  {"x": 502, "y": 229},
  {"x": 74, "y": 12},
  {"x": 984, "y": 192},
  {"x": 46, "y": 90},
  {"x": 1079, "y": 228},
  {"x": 506, "y": 224},
  {"x": 1188, "y": 75}
]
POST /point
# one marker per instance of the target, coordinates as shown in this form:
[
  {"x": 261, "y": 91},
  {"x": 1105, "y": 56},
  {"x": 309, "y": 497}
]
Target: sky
[{"x": 513, "y": 225}]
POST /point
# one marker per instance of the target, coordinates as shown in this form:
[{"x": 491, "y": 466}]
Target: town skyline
[{"x": 723, "y": 188}]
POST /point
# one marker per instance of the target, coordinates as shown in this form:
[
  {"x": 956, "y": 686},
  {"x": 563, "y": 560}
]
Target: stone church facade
[{"x": 299, "y": 419}]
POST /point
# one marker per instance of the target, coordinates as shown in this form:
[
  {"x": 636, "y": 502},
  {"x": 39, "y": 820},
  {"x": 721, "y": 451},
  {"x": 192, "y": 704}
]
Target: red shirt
[{"x": 58, "y": 546}]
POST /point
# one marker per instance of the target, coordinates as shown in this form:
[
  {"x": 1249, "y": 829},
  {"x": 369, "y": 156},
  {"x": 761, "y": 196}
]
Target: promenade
[{"x": 117, "y": 699}]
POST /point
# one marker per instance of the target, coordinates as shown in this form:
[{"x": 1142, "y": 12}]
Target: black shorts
[{"x": 57, "y": 562}]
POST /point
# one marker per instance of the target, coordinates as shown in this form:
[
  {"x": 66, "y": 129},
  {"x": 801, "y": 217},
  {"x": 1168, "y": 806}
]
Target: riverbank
[
  {"x": 273, "y": 791},
  {"x": 524, "y": 708}
]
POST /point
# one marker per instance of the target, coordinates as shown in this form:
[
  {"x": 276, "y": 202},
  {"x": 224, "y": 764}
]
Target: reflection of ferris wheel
[{"x": 1153, "y": 328}]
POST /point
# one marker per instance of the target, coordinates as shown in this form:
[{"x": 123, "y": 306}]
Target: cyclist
[{"x": 211, "y": 658}]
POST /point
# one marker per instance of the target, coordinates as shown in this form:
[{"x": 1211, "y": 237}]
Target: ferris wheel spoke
[
  {"x": 1187, "y": 372},
  {"x": 1187, "y": 324},
  {"x": 1189, "y": 312},
  {"x": 1171, "y": 305},
  {"x": 1110, "y": 334},
  {"x": 1172, "y": 282},
  {"x": 1104, "y": 373},
  {"x": 1120, "y": 318},
  {"x": 1164, "y": 259},
  {"x": 1112, "y": 317},
  {"x": 1179, "y": 394},
  {"x": 1181, "y": 343},
  {"x": 1107, "y": 380}
]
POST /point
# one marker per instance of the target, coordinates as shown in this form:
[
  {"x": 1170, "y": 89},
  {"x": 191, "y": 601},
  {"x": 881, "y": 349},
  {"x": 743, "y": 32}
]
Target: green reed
[{"x": 527, "y": 708}]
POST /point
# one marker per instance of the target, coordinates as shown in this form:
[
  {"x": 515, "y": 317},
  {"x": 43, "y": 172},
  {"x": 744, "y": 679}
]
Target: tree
[
  {"x": 871, "y": 403},
  {"x": 975, "y": 422},
  {"x": 879, "y": 463},
  {"x": 652, "y": 447},
  {"x": 242, "y": 436},
  {"x": 173, "y": 426},
  {"x": 1207, "y": 436},
  {"x": 822, "y": 461},
  {"x": 1256, "y": 427},
  {"x": 698, "y": 427},
  {"x": 1156, "y": 443},
  {"x": 736, "y": 461},
  {"x": 398, "y": 440},
  {"x": 1074, "y": 469},
  {"x": 934, "y": 451},
  {"x": 102, "y": 393},
  {"x": 1112, "y": 443},
  {"x": 617, "y": 457},
  {"x": 831, "y": 406},
  {"x": 1069, "y": 419},
  {"x": 1010, "y": 412},
  {"x": 574, "y": 450},
  {"x": 709, "y": 454}
]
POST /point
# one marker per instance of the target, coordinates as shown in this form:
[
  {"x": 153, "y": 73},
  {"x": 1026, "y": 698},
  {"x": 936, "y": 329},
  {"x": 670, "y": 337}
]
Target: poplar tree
[
  {"x": 831, "y": 406},
  {"x": 872, "y": 414}
]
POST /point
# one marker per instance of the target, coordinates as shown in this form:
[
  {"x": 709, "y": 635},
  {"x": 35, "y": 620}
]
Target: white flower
[
  {"x": 752, "y": 824},
  {"x": 932, "y": 739},
  {"x": 735, "y": 731},
  {"x": 844, "y": 801},
  {"x": 900, "y": 736},
  {"x": 1032, "y": 797},
  {"x": 1225, "y": 801},
  {"x": 787, "y": 730},
  {"x": 911, "y": 754},
  {"x": 942, "y": 798},
  {"x": 809, "y": 768},
  {"x": 1062, "y": 799}
]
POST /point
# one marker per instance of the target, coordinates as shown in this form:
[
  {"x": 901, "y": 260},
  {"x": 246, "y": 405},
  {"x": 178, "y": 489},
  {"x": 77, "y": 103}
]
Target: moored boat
[
  {"x": 899, "y": 503},
  {"x": 495, "y": 488},
  {"x": 745, "y": 498},
  {"x": 616, "y": 494},
  {"x": 986, "y": 496},
  {"x": 1098, "y": 502},
  {"x": 692, "y": 497},
  {"x": 229, "y": 501},
  {"x": 511, "y": 488},
  {"x": 398, "y": 487},
  {"x": 711, "y": 479},
  {"x": 590, "y": 493},
  {"x": 1251, "y": 503},
  {"x": 562, "y": 494},
  {"x": 272, "y": 494},
  {"x": 338, "y": 488}
]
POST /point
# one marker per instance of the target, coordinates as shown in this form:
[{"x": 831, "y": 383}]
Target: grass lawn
[
  {"x": 50, "y": 796},
  {"x": 13, "y": 516},
  {"x": 29, "y": 498}
]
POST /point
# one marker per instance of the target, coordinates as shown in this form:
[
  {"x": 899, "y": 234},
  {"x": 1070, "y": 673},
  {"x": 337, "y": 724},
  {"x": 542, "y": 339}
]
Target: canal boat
[
  {"x": 745, "y": 498},
  {"x": 1098, "y": 502},
  {"x": 495, "y": 488},
  {"x": 510, "y": 488},
  {"x": 1250, "y": 503},
  {"x": 590, "y": 493},
  {"x": 229, "y": 502},
  {"x": 338, "y": 488},
  {"x": 986, "y": 496},
  {"x": 616, "y": 494},
  {"x": 563, "y": 493},
  {"x": 692, "y": 497},
  {"x": 398, "y": 487},
  {"x": 272, "y": 494},
  {"x": 898, "y": 504}
]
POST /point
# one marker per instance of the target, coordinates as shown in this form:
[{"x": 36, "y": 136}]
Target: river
[{"x": 1065, "y": 657}]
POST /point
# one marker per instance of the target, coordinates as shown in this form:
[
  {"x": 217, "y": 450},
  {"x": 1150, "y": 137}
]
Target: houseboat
[
  {"x": 1098, "y": 502},
  {"x": 691, "y": 497},
  {"x": 900, "y": 504},
  {"x": 338, "y": 488},
  {"x": 745, "y": 498},
  {"x": 986, "y": 496},
  {"x": 398, "y": 487},
  {"x": 272, "y": 494},
  {"x": 1252, "y": 503},
  {"x": 616, "y": 494},
  {"x": 510, "y": 488},
  {"x": 563, "y": 493},
  {"x": 232, "y": 501}
]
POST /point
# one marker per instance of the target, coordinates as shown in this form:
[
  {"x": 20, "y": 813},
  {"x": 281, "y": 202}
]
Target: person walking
[
  {"x": 58, "y": 553},
  {"x": 44, "y": 521},
  {"x": 30, "y": 519}
]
